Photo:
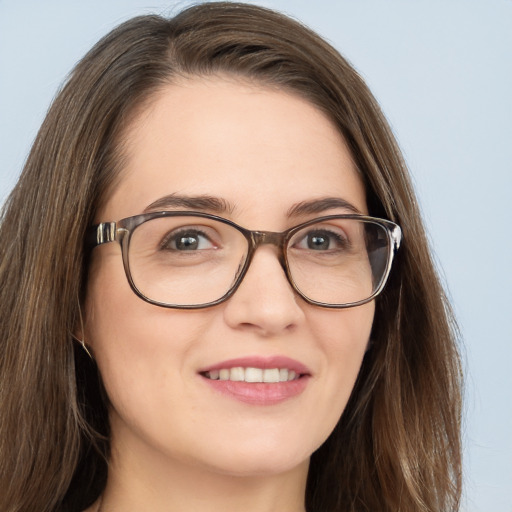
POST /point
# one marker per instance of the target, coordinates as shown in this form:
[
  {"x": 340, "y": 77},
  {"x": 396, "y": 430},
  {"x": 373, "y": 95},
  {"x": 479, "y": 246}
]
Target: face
[{"x": 262, "y": 152}]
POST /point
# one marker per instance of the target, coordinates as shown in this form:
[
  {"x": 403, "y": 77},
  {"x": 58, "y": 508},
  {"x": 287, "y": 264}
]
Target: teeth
[
  {"x": 271, "y": 375},
  {"x": 236, "y": 374},
  {"x": 253, "y": 375},
  {"x": 239, "y": 374}
]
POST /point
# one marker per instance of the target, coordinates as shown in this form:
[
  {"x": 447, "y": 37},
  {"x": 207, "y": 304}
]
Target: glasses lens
[
  {"x": 339, "y": 261},
  {"x": 185, "y": 261}
]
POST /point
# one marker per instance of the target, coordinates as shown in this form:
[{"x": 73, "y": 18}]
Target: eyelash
[
  {"x": 341, "y": 241},
  {"x": 173, "y": 236}
]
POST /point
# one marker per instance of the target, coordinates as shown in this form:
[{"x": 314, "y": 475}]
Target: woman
[{"x": 193, "y": 273}]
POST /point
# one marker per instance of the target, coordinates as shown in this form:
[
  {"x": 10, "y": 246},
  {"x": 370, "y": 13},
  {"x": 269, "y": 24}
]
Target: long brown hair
[{"x": 397, "y": 445}]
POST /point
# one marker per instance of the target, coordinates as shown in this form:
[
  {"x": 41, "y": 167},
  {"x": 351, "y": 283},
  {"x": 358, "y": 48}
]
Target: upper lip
[{"x": 260, "y": 362}]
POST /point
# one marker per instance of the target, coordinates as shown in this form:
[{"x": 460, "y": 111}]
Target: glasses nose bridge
[{"x": 269, "y": 238}]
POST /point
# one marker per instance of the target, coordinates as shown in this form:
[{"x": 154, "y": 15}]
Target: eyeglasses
[{"x": 192, "y": 260}]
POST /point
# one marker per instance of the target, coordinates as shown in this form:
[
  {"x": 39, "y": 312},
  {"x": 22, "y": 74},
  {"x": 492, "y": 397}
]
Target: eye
[
  {"x": 187, "y": 239},
  {"x": 321, "y": 240}
]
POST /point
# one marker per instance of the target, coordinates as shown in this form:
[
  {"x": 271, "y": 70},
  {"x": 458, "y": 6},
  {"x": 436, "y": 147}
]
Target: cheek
[
  {"x": 343, "y": 336},
  {"x": 139, "y": 348}
]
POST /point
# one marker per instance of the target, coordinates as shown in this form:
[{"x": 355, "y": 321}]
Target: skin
[{"x": 177, "y": 444}]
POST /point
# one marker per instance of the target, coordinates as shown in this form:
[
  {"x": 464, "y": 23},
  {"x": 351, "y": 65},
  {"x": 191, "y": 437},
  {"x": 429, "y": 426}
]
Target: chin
[
  {"x": 258, "y": 459},
  {"x": 245, "y": 467}
]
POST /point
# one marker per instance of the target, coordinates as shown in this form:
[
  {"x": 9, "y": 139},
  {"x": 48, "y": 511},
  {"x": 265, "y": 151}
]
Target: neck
[{"x": 159, "y": 484}]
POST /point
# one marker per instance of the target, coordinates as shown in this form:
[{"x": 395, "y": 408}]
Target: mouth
[
  {"x": 258, "y": 380},
  {"x": 252, "y": 374}
]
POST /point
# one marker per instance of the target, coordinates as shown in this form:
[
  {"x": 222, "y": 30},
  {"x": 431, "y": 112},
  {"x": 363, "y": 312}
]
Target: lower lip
[{"x": 260, "y": 393}]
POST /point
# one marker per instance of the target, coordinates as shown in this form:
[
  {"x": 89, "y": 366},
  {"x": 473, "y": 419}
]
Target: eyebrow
[
  {"x": 220, "y": 206},
  {"x": 320, "y": 205},
  {"x": 202, "y": 203}
]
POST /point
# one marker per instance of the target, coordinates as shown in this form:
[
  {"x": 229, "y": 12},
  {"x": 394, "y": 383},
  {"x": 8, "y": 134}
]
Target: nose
[{"x": 265, "y": 302}]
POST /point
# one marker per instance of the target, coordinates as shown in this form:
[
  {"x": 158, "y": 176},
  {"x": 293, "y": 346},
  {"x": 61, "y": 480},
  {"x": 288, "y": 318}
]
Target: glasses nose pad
[
  {"x": 241, "y": 265},
  {"x": 282, "y": 261}
]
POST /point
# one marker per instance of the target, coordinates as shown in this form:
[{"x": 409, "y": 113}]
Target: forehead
[{"x": 257, "y": 148}]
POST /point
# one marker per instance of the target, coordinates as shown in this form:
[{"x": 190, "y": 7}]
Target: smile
[
  {"x": 257, "y": 380},
  {"x": 250, "y": 374}
]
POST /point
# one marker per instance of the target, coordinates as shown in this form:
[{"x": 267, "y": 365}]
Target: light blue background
[{"x": 442, "y": 71}]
